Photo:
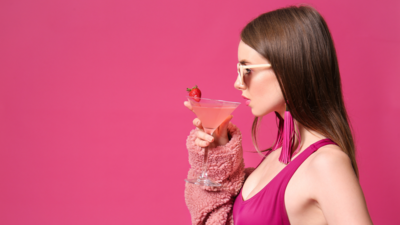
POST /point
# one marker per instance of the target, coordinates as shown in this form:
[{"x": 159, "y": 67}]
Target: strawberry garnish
[{"x": 195, "y": 93}]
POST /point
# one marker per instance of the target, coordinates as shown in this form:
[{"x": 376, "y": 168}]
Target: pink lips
[{"x": 248, "y": 100}]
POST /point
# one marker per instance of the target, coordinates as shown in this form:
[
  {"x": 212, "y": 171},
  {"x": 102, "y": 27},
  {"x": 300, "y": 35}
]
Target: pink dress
[
  {"x": 224, "y": 205},
  {"x": 268, "y": 205}
]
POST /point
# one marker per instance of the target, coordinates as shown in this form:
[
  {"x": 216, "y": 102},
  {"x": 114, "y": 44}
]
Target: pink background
[{"x": 92, "y": 122}]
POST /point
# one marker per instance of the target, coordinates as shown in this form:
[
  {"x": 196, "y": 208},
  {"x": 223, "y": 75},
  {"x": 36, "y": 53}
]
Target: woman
[{"x": 288, "y": 65}]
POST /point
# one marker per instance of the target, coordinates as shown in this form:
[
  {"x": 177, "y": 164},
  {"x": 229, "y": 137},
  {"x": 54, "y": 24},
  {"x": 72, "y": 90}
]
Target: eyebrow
[{"x": 243, "y": 62}]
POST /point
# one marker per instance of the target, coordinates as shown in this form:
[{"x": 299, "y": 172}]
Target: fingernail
[{"x": 210, "y": 139}]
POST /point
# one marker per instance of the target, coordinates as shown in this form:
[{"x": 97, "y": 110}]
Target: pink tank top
[{"x": 267, "y": 207}]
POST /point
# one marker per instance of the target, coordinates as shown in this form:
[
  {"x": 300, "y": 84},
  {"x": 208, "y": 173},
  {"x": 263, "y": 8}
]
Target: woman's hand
[{"x": 219, "y": 137}]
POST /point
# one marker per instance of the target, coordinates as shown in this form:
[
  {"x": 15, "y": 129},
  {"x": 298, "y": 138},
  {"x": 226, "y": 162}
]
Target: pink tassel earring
[
  {"x": 278, "y": 140},
  {"x": 288, "y": 138}
]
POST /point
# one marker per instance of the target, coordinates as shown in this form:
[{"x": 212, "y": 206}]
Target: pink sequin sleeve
[{"x": 213, "y": 205}]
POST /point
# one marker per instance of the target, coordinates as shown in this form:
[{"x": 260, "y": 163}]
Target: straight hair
[{"x": 297, "y": 42}]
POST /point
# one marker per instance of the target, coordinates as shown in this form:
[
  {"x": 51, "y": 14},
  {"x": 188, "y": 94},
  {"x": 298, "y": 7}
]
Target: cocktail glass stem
[
  {"x": 205, "y": 164},
  {"x": 203, "y": 179}
]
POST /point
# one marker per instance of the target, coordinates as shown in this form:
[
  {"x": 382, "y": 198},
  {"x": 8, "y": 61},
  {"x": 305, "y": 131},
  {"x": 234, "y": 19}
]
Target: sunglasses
[{"x": 241, "y": 67}]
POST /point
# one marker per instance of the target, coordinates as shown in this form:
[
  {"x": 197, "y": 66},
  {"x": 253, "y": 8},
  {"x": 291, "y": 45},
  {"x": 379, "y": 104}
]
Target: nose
[{"x": 239, "y": 86}]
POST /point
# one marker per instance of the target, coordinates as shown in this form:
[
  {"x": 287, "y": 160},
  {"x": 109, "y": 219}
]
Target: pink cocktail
[
  {"x": 212, "y": 117},
  {"x": 211, "y": 113}
]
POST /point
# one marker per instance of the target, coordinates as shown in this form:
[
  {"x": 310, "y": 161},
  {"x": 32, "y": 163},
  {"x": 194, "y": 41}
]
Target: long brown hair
[{"x": 297, "y": 42}]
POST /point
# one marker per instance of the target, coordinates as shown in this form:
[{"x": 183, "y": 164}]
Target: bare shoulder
[
  {"x": 330, "y": 165},
  {"x": 335, "y": 187},
  {"x": 328, "y": 159}
]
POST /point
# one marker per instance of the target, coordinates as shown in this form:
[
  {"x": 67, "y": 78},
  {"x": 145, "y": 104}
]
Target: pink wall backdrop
[{"x": 92, "y": 122}]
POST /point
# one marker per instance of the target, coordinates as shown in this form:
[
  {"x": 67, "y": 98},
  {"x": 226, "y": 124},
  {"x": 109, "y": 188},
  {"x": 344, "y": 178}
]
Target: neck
[{"x": 307, "y": 137}]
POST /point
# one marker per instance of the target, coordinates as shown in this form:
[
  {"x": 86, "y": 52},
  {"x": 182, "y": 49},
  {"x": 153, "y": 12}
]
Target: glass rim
[{"x": 216, "y": 100}]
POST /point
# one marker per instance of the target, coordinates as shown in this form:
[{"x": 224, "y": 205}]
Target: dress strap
[
  {"x": 323, "y": 142},
  {"x": 312, "y": 148},
  {"x": 295, "y": 163}
]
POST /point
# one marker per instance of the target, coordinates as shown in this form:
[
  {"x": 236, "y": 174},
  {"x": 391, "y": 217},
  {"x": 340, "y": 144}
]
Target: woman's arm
[
  {"x": 336, "y": 188},
  {"x": 213, "y": 205}
]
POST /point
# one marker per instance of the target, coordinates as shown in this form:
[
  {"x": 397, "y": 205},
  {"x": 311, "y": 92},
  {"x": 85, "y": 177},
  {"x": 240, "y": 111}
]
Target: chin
[
  {"x": 259, "y": 113},
  {"x": 256, "y": 113}
]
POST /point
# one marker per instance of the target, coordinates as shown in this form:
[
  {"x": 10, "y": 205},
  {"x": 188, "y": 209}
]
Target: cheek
[
  {"x": 266, "y": 93},
  {"x": 264, "y": 86}
]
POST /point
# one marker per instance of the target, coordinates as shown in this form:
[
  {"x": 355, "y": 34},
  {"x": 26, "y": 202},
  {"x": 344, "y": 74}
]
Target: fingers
[
  {"x": 187, "y": 104},
  {"x": 197, "y": 123},
  {"x": 203, "y": 139},
  {"x": 201, "y": 143}
]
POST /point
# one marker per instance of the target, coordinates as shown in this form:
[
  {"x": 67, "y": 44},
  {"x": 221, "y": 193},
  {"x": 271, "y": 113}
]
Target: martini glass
[{"x": 211, "y": 113}]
